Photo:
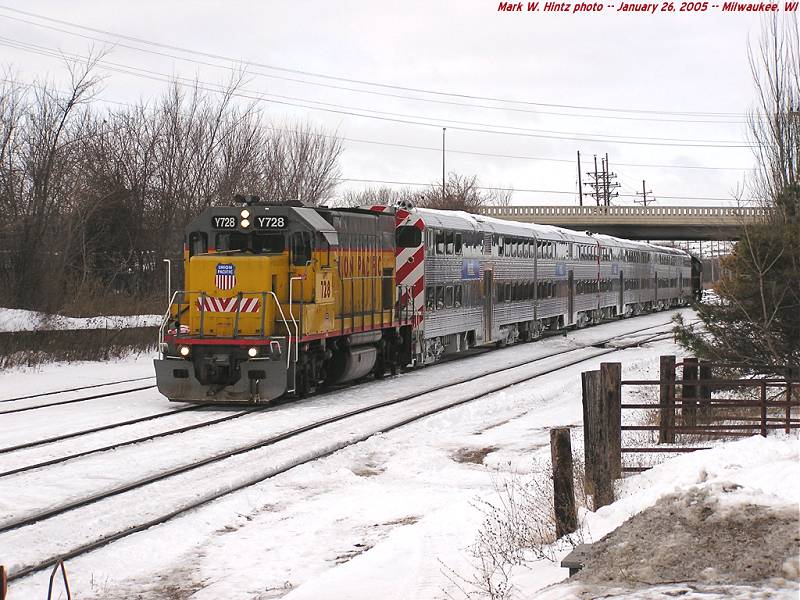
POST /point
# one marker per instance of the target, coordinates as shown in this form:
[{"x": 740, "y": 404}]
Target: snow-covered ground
[
  {"x": 383, "y": 518},
  {"x": 15, "y": 319}
]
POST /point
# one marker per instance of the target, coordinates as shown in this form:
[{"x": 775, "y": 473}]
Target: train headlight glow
[
  {"x": 184, "y": 350},
  {"x": 245, "y": 223},
  {"x": 245, "y": 214},
  {"x": 252, "y": 352}
]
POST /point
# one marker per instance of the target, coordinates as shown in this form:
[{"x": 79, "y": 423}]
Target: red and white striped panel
[
  {"x": 212, "y": 304},
  {"x": 409, "y": 262}
]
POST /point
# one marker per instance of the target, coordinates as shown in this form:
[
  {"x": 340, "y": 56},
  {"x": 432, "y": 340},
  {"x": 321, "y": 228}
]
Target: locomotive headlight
[
  {"x": 184, "y": 351},
  {"x": 245, "y": 223},
  {"x": 245, "y": 214},
  {"x": 252, "y": 352}
]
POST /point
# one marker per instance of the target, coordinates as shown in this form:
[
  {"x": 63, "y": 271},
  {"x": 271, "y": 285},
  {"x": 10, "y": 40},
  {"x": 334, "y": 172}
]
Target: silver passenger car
[{"x": 488, "y": 280}]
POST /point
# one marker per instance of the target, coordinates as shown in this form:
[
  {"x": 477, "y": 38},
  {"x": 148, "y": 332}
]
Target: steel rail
[
  {"x": 83, "y": 432},
  {"x": 106, "y": 539},
  {"x": 84, "y": 399},
  {"x": 184, "y": 429},
  {"x": 146, "y": 438},
  {"x": 75, "y": 389}
]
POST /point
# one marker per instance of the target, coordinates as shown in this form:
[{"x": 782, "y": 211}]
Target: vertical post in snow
[
  {"x": 563, "y": 487},
  {"x": 705, "y": 391},
  {"x": 689, "y": 392},
  {"x": 599, "y": 478},
  {"x": 611, "y": 378},
  {"x": 666, "y": 432}
]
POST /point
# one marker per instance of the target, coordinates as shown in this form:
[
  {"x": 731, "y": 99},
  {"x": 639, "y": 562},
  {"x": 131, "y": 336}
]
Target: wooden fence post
[
  {"x": 666, "y": 432},
  {"x": 599, "y": 480},
  {"x": 763, "y": 408},
  {"x": 689, "y": 392},
  {"x": 563, "y": 487},
  {"x": 611, "y": 379},
  {"x": 705, "y": 391},
  {"x": 588, "y": 432}
]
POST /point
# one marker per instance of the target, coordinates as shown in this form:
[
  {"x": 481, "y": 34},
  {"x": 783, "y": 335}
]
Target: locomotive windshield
[{"x": 255, "y": 243}]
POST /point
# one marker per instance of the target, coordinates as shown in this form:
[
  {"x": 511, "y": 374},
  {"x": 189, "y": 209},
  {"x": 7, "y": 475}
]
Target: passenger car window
[{"x": 439, "y": 241}]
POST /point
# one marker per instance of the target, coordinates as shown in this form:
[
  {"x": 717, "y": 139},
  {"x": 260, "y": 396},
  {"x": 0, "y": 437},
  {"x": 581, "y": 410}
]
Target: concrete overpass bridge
[{"x": 639, "y": 222}]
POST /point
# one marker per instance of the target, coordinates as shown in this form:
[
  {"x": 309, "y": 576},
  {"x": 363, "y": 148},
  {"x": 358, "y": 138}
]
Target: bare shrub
[{"x": 519, "y": 527}]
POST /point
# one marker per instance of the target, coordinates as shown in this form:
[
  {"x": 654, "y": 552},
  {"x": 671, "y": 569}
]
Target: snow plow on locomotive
[{"x": 281, "y": 299}]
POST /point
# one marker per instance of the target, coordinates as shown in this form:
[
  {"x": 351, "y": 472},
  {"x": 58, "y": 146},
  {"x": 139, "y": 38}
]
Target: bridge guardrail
[{"x": 612, "y": 211}]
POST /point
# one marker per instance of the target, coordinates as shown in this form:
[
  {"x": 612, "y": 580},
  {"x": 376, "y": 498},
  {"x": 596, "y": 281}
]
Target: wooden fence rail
[{"x": 689, "y": 410}]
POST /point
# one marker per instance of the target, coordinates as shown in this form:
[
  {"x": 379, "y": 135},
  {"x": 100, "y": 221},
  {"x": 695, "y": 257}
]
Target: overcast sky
[{"x": 670, "y": 63}]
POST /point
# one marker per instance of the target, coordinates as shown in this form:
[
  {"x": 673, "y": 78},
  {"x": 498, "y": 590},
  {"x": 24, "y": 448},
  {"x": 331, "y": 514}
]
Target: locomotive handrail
[
  {"x": 294, "y": 321},
  {"x": 164, "y": 321},
  {"x": 201, "y": 294}
]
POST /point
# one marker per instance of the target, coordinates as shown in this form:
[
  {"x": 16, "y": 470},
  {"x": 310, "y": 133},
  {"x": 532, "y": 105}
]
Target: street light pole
[
  {"x": 169, "y": 279},
  {"x": 444, "y": 129}
]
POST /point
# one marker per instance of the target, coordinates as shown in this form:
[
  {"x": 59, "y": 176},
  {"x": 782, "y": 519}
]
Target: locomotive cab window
[
  {"x": 268, "y": 243},
  {"x": 232, "y": 242},
  {"x": 301, "y": 248},
  {"x": 450, "y": 241},
  {"x": 198, "y": 243},
  {"x": 408, "y": 236},
  {"x": 459, "y": 244}
]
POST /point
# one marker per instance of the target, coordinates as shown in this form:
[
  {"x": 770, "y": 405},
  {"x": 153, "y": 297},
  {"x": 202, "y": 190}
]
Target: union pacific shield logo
[{"x": 226, "y": 276}]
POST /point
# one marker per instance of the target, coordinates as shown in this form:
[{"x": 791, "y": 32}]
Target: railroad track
[
  {"x": 195, "y": 426},
  {"x": 582, "y": 354},
  {"x": 73, "y": 400},
  {"x": 75, "y": 389}
]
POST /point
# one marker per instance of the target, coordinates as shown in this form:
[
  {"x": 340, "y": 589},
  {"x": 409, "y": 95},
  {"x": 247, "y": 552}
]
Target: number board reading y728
[
  {"x": 225, "y": 222},
  {"x": 270, "y": 222}
]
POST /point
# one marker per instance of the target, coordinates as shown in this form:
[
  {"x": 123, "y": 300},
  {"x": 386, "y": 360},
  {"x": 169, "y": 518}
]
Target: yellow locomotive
[{"x": 280, "y": 299}]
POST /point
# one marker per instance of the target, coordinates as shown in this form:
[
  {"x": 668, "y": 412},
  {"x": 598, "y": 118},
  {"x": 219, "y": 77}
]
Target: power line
[
  {"x": 358, "y": 81},
  {"x": 362, "y": 91},
  {"x": 449, "y": 150},
  {"x": 349, "y": 111},
  {"x": 527, "y": 190}
]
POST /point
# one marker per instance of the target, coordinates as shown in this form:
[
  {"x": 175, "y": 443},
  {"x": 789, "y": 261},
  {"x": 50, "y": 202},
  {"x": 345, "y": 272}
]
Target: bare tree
[
  {"x": 385, "y": 196},
  {"x": 775, "y": 122},
  {"x": 756, "y": 320},
  {"x": 465, "y": 193},
  {"x": 92, "y": 199},
  {"x": 300, "y": 163}
]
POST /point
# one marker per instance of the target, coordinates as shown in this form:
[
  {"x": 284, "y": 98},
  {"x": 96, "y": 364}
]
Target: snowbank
[
  {"x": 14, "y": 319},
  {"x": 718, "y": 522}
]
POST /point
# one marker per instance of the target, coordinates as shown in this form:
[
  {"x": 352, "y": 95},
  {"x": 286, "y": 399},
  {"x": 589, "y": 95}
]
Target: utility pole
[
  {"x": 602, "y": 183},
  {"x": 595, "y": 183},
  {"x": 580, "y": 181},
  {"x": 643, "y": 194},
  {"x": 609, "y": 184},
  {"x": 444, "y": 129}
]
